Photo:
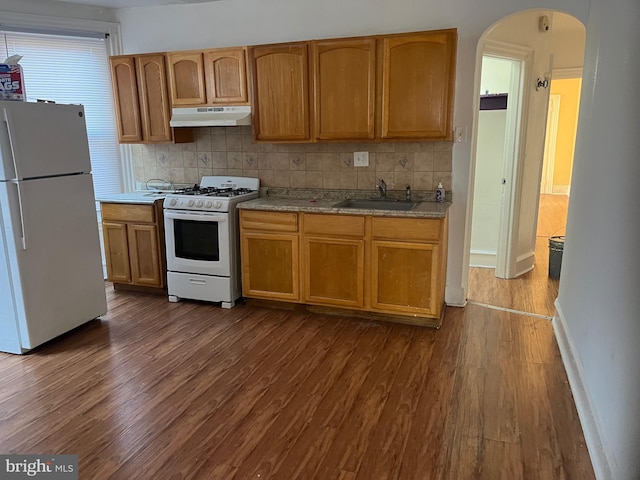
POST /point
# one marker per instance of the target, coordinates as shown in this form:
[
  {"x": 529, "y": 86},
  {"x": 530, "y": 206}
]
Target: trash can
[{"x": 556, "y": 246}]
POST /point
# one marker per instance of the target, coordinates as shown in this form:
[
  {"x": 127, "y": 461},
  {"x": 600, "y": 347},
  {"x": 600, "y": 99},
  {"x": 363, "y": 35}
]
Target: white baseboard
[
  {"x": 601, "y": 458},
  {"x": 455, "y": 296},
  {"x": 524, "y": 263},
  {"x": 561, "y": 189},
  {"x": 482, "y": 259}
]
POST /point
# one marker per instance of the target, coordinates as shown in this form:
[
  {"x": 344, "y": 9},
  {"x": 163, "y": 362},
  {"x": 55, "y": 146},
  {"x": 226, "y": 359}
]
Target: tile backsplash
[{"x": 231, "y": 151}]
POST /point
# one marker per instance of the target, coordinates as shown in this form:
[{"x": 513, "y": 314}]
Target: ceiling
[{"x": 133, "y": 3}]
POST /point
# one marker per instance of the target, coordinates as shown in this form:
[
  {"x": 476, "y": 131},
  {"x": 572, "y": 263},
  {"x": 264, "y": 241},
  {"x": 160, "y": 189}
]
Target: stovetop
[{"x": 214, "y": 193}]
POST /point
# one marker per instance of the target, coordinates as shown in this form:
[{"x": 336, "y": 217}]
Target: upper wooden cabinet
[
  {"x": 209, "y": 77},
  {"x": 418, "y": 75},
  {"x": 125, "y": 96},
  {"x": 154, "y": 103},
  {"x": 186, "y": 78},
  {"x": 388, "y": 87},
  {"x": 280, "y": 79},
  {"x": 344, "y": 88},
  {"x": 141, "y": 100},
  {"x": 226, "y": 74}
]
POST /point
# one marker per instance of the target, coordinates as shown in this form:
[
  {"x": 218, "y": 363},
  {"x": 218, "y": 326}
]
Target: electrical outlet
[{"x": 360, "y": 159}]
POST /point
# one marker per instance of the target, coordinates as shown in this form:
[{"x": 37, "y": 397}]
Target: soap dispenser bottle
[{"x": 440, "y": 193}]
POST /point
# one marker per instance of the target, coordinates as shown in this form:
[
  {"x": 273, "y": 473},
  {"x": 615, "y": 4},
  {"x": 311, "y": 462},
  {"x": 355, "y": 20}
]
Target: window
[{"x": 74, "y": 69}]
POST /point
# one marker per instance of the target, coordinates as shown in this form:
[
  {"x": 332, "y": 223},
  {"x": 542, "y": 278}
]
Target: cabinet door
[
  {"x": 116, "y": 249},
  {"x": 144, "y": 255},
  {"x": 344, "y": 88},
  {"x": 334, "y": 271},
  {"x": 280, "y": 76},
  {"x": 417, "y": 85},
  {"x": 154, "y": 103},
  {"x": 125, "y": 97},
  {"x": 226, "y": 74},
  {"x": 404, "y": 277},
  {"x": 270, "y": 266},
  {"x": 186, "y": 78}
]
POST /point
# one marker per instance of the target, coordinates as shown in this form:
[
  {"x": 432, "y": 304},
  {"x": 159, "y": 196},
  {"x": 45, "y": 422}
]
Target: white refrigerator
[{"x": 51, "y": 278}]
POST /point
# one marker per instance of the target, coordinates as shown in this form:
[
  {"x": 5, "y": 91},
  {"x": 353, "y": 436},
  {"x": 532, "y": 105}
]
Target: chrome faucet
[
  {"x": 407, "y": 193},
  {"x": 383, "y": 188}
]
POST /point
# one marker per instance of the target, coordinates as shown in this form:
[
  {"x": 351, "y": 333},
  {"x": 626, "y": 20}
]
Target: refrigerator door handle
[
  {"x": 7, "y": 119},
  {"x": 23, "y": 233}
]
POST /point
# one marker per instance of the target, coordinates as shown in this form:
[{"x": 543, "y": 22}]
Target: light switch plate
[
  {"x": 460, "y": 134},
  {"x": 360, "y": 159}
]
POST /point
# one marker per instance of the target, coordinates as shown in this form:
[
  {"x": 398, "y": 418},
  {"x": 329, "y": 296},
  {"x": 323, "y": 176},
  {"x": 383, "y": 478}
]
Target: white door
[
  {"x": 54, "y": 255},
  {"x": 550, "y": 141},
  {"x": 42, "y": 140}
]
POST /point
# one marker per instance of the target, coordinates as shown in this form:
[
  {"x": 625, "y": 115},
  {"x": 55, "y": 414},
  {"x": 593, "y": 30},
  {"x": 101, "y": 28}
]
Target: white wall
[
  {"x": 600, "y": 281},
  {"x": 58, "y": 9},
  {"x": 246, "y": 22}
]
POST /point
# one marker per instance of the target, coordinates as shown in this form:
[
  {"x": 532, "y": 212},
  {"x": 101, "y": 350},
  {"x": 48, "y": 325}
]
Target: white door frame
[
  {"x": 514, "y": 153},
  {"x": 550, "y": 142}
]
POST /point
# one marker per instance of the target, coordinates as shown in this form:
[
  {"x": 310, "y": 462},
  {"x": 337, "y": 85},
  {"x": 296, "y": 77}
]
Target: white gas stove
[
  {"x": 203, "y": 241},
  {"x": 213, "y": 194}
]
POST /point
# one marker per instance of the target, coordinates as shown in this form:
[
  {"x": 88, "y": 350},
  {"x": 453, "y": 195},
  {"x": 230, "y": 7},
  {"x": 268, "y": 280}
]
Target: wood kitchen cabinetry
[
  {"x": 134, "y": 244},
  {"x": 209, "y": 77},
  {"x": 141, "y": 100},
  {"x": 270, "y": 255},
  {"x": 407, "y": 265},
  {"x": 344, "y": 80},
  {"x": 333, "y": 260},
  {"x": 388, "y": 87},
  {"x": 417, "y": 78},
  {"x": 387, "y": 266},
  {"x": 280, "y": 102}
]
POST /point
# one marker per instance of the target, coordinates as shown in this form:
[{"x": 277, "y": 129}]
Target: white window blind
[{"x": 74, "y": 69}]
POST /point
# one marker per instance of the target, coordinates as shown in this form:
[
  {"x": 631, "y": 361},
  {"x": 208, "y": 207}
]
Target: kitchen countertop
[
  {"x": 141, "y": 197},
  {"x": 289, "y": 204}
]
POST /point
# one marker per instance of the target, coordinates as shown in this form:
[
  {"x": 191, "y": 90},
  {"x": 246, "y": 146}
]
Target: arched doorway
[{"x": 507, "y": 157}]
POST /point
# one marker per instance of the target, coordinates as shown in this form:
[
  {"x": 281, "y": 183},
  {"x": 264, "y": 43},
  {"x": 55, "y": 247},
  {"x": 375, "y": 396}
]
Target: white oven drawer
[{"x": 201, "y": 287}]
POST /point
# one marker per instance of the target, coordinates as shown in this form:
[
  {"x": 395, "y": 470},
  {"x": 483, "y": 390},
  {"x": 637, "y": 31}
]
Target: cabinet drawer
[
  {"x": 410, "y": 229},
  {"x": 344, "y": 225},
  {"x": 269, "y": 221},
  {"x": 126, "y": 212}
]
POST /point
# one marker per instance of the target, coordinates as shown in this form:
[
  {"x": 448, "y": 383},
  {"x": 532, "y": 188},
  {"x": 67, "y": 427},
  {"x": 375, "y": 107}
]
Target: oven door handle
[{"x": 195, "y": 216}]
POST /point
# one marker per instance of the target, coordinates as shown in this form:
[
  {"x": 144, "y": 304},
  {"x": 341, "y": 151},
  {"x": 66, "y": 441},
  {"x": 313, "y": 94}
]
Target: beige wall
[{"x": 231, "y": 151}]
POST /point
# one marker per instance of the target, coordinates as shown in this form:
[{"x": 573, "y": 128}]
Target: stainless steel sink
[{"x": 376, "y": 204}]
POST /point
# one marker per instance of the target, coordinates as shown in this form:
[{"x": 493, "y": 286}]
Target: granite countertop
[
  {"x": 424, "y": 209},
  {"x": 141, "y": 197}
]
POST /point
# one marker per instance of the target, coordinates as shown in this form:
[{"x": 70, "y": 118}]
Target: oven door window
[{"x": 196, "y": 240}]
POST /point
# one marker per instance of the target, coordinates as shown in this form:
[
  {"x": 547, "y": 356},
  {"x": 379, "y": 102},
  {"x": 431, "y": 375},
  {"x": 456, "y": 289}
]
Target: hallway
[{"x": 534, "y": 292}]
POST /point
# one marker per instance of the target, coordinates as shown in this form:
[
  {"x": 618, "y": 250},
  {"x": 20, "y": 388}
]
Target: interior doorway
[{"x": 526, "y": 255}]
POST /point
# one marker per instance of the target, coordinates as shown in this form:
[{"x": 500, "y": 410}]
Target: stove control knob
[
  {"x": 173, "y": 202},
  {"x": 208, "y": 205},
  {"x": 217, "y": 204},
  {"x": 199, "y": 204},
  {"x": 190, "y": 204}
]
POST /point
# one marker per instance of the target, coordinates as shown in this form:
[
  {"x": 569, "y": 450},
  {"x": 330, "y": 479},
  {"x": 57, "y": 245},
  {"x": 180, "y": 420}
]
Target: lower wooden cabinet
[
  {"x": 270, "y": 255},
  {"x": 403, "y": 277},
  {"x": 134, "y": 244},
  {"x": 384, "y": 265},
  {"x": 270, "y": 266}
]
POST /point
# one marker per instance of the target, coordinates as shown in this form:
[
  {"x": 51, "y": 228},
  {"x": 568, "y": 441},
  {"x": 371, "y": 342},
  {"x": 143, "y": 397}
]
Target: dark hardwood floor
[{"x": 159, "y": 390}]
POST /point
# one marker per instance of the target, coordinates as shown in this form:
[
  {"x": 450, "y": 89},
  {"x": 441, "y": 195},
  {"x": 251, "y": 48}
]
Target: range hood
[{"x": 211, "y": 116}]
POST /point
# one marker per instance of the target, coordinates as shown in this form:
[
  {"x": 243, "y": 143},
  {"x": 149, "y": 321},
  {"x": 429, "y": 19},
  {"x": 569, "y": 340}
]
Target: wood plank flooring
[
  {"x": 188, "y": 390},
  {"x": 534, "y": 292}
]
